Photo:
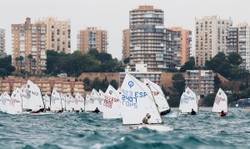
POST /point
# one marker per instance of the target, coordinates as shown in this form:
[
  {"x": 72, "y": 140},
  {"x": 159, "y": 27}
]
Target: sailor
[
  {"x": 222, "y": 113},
  {"x": 193, "y": 112},
  {"x": 96, "y": 110},
  {"x": 39, "y": 111},
  {"x": 146, "y": 118}
]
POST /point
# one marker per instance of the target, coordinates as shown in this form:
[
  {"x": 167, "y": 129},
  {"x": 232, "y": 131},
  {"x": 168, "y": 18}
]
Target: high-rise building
[
  {"x": 2, "y": 42},
  {"x": 126, "y": 44},
  {"x": 232, "y": 40},
  {"x": 244, "y": 45},
  {"x": 29, "y": 47},
  {"x": 147, "y": 38},
  {"x": 58, "y": 37},
  {"x": 183, "y": 43},
  {"x": 92, "y": 38},
  {"x": 211, "y": 36},
  {"x": 173, "y": 44}
]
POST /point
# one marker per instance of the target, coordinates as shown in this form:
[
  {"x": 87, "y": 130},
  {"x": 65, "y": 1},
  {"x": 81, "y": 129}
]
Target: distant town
[{"x": 41, "y": 52}]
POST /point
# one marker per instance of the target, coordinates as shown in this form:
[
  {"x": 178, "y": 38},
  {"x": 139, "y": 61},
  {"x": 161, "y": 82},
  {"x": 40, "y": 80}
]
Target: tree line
[{"x": 77, "y": 63}]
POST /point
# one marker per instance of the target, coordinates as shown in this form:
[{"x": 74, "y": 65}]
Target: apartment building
[
  {"x": 183, "y": 46},
  {"x": 46, "y": 84},
  {"x": 29, "y": 47},
  {"x": 58, "y": 34},
  {"x": 200, "y": 81},
  {"x": 244, "y": 45},
  {"x": 92, "y": 38},
  {"x": 126, "y": 44},
  {"x": 211, "y": 37},
  {"x": 147, "y": 38}
]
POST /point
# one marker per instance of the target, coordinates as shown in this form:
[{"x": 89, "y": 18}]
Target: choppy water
[{"x": 89, "y": 130}]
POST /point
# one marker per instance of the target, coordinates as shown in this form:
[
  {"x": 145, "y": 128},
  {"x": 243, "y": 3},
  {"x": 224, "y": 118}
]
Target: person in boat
[
  {"x": 60, "y": 111},
  {"x": 40, "y": 110},
  {"x": 222, "y": 113},
  {"x": 193, "y": 112},
  {"x": 165, "y": 112},
  {"x": 96, "y": 110},
  {"x": 146, "y": 118}
]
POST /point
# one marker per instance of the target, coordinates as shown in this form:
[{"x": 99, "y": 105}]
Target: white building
[
  {"x": 211, "y": 37},
  {"x": 58, "y": 34},
  {"x": 244, "y": 45}
]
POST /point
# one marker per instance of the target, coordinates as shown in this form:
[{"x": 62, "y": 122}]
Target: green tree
[
  {"x": 5, "y": 66},
  {"x": 178, "y": 82},
  {"x": 208, "y": 101},
  {"x": 114, "y": 83},
  {"x": 87, "y": 84},
  {"x": 190, "y": 65},
  {"x": 235, "y": 59},
  {"x": 77, "y": 63}
]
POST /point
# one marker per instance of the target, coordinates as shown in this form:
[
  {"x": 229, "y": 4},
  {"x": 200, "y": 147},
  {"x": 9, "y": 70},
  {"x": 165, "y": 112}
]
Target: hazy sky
[{"x": 113, "y": 15}]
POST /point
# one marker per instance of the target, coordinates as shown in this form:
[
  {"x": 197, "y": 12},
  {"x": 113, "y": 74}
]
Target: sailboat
[
  {"x": 46, "y": 100},
  {"x": 137, "y": 103},
  {"x": 111, "y": 104},
  {"x": 188, "y": 101},
  {"x": 15, "y": 104},
  {"x": 63, "y": 98},
  {"x": 32, "y": 97},
  {"x": 56, "y": 101},
  {"x": 4, "y": 102},
  {"x": 79, "y": 102},
  {"x": 100, "y": 100},
  {"x": 159, "y": 97},
  {"x": 70, "y": 103},
  {"x": 89, "y": 104},
  {"x": 94, "y": 101},
  {"x": 221, "y": 102}
]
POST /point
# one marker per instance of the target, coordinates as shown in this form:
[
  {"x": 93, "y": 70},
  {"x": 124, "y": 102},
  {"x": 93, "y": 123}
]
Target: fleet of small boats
[{"x": 137, "y": 103}]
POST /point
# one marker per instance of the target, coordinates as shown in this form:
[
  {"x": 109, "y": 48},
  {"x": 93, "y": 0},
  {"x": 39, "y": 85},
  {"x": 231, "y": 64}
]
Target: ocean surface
[{"x": 89, "y": 130}]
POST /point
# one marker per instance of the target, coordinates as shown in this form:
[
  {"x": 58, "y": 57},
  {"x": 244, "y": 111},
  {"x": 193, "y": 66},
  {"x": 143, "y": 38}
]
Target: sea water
[{"x": 89, "y": 130}]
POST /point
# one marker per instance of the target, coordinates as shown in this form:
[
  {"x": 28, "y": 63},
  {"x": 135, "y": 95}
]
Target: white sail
[
  {"x": 89, "y": 104},
  {"x": 32, "y": 97},
  {"x": 4, "y": 102},
  {"x": 136, "y": 102},
  {"x": 111, "y": 104},
  {"x": 100, "y": 100},
  {"x": 46, "y": 100},
  {"x": 159, "y": 96},
  {"x": 188, "y": 101},
  {"x": 221, "y": 102},
  {"x": 79, "y": 100},
  {"x": 64, "y": 102},
  {"x": 15, "y": 106},
  {"x": 70, "y": 102},
  {"x": 56, "y": 101}
]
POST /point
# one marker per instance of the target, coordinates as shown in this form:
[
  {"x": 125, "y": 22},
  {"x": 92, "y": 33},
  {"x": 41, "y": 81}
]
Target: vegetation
[
  {"x": 227, "y": 66},
  {"x": 5, "y": 66},
  {"x": 176, "y": 91},
  {"x": 190, "y": 65},
  {"x": 77, "y": 63}
]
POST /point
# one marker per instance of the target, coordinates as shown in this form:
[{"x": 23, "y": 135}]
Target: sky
[{"x": 113, "y": 15}]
